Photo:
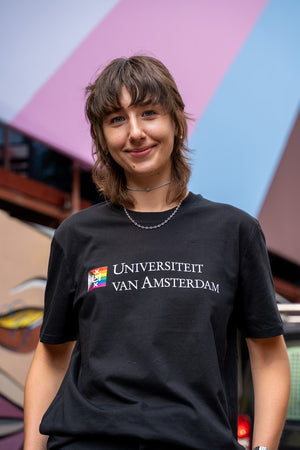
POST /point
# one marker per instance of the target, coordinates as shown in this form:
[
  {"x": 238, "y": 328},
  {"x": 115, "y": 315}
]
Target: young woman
[{"x": 152, "y": 285}]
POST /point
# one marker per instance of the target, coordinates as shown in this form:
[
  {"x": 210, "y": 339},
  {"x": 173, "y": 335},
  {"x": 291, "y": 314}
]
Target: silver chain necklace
[
  {"x": 148, "y": 189},
  {"x": 154, "y": 226}
]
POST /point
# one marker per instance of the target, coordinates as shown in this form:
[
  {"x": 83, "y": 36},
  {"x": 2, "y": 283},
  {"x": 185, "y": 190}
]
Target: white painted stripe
[{"x": 36, "y": 37}]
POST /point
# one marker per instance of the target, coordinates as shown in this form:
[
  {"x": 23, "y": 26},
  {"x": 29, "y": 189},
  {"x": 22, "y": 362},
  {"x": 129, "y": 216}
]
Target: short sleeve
[
  {"x": 59, "y": 322},
  {"x": 257, "y": 309}
]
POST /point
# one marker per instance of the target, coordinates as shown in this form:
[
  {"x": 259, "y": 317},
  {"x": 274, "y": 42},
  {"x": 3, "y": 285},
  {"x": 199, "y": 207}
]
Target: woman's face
[{"x": 140, "y": 139}]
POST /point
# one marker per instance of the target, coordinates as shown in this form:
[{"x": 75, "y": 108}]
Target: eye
[
  {"x": 116, "y": 120},
  {"x": 149, "y": 113}
]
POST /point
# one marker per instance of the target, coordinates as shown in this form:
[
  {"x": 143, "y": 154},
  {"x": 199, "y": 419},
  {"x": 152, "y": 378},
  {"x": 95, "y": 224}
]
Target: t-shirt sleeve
[
  {"x": 258, "y": 314},
  {"x": 59, "y": 322}
]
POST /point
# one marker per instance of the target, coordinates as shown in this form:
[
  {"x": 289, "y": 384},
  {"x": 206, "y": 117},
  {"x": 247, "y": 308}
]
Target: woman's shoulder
[
  {"x": 197, "y": 200},
  {"x": 221, "y": 213},
  {"x": 80, "y": 221}
]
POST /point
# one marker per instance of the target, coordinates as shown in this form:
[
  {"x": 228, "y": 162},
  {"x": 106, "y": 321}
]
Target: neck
[
  {"x": 151, "y": 194},
  {"x": 148, "y": 189},
  {"x": 153, "y": 201}
]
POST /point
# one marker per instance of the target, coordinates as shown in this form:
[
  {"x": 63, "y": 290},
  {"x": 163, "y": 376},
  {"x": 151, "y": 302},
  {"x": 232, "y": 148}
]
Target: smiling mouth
[{"x": 140, "y": 152}]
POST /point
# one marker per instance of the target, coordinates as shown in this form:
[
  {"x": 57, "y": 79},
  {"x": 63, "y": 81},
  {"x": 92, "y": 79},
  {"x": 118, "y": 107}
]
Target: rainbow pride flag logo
[{"x": 97, "y": 278}]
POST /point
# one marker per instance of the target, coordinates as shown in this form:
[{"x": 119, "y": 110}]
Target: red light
[{"x": 244, "y": 426}]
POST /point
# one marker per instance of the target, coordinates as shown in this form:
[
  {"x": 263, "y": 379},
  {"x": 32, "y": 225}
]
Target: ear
[{"x": 94, "y": 129}]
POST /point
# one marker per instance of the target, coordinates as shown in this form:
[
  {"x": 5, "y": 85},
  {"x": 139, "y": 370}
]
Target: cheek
[
  {"x": 115, "y": 154},
  {"x": 164, "y": 135},
  {"x": 114, "y": 141}
]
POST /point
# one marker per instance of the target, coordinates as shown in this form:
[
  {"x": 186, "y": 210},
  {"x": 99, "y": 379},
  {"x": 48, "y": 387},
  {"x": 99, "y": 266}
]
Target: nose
[{"x": 136, "y": 131}]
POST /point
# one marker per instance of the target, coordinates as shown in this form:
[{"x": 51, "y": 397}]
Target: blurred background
[{"x": 237, "y": 66}]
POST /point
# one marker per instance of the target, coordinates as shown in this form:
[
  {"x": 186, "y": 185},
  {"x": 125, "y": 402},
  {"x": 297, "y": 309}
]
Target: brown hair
[{"x": 146, "y": 79}]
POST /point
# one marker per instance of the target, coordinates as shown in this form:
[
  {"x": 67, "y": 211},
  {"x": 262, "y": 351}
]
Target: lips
[{"x": 140, "y": 152}]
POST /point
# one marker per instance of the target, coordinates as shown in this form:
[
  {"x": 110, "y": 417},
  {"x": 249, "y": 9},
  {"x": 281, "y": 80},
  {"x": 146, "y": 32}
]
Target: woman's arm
[
  {"x": 45, "y": 375},
  {"x": 271, "y": 381}
]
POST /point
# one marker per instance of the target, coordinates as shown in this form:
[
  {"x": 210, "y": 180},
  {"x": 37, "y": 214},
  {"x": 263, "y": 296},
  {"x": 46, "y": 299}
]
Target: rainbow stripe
[{"x": 97, "y": 278}]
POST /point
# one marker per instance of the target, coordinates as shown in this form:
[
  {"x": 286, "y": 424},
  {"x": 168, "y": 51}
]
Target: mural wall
[
  {"x": 236, "y": 64},
  {"x": 23, "y": 270}
]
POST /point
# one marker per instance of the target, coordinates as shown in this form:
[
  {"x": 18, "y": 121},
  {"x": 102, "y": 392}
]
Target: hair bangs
[
  {"x": 142, "y": 88},
  {"x": 145, "y": 91}
]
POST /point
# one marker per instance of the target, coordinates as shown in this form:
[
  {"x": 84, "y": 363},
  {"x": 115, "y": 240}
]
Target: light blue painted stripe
[{"x": 240, "y": 138}]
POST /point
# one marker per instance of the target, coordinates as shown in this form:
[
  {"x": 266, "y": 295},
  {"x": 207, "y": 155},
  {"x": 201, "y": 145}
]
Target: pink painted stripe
[{"x": 196, "y": 39}]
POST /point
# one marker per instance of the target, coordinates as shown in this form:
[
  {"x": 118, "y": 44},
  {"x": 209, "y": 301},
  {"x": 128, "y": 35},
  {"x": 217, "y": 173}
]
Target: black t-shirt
[{"x": 155, "y": 315}]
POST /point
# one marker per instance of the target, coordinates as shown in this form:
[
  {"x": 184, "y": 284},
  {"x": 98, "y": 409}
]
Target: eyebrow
[{"x": 112, "y": 111}]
